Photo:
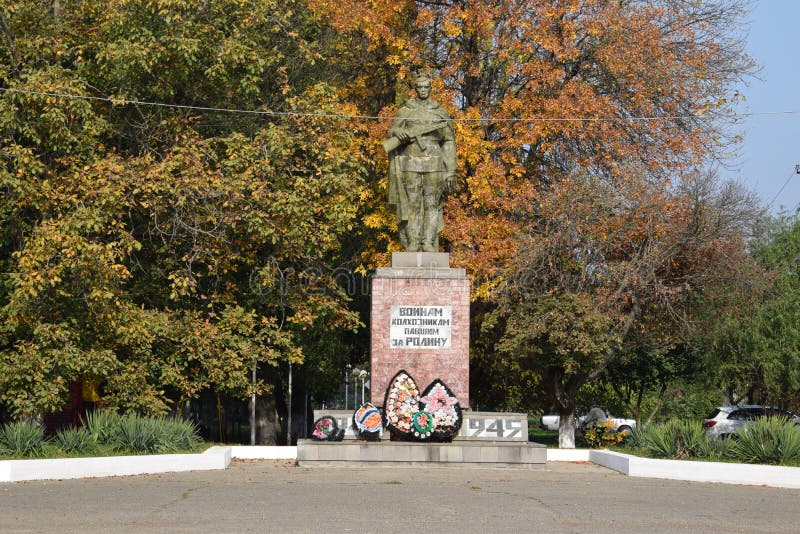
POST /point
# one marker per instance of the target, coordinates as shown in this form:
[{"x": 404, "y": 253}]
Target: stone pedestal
[
  {"x": 480, "y": 454},
  {"x": 420, "y": 323}
]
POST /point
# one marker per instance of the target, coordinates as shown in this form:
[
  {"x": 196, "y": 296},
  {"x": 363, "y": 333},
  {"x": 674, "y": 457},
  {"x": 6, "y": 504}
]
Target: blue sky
[{"x": 771, "y": 147}]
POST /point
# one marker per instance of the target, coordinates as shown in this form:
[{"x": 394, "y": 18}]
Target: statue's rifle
[{"x": 393, "y": 142}]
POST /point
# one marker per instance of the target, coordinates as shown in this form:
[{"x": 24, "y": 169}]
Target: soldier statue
[{"x": 422, "y": 168}]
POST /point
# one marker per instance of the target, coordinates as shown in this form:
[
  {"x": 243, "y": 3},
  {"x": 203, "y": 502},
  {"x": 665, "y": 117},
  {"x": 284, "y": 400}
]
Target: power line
[
  {"x": 269, "y": 113},
  {"x": 789, "y": 179},
  {"x": 123, "y": 101}
]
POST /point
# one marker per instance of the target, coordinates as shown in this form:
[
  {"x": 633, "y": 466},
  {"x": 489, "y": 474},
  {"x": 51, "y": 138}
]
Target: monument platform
[
  {"x": 480, "y": 454},
  {"x": 420, "y": 265}
]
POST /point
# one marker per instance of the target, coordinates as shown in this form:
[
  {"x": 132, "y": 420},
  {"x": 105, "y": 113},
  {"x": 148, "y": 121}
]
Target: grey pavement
[{"x": 268, "y": 496}]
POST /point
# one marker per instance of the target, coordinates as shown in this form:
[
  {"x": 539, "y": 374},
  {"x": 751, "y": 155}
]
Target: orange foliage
[{"x": 557, "y": 84}]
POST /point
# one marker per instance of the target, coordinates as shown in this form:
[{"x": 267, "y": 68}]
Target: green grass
[
  {"x": 23, "y": 438},
  {"x": 539, "y": 435},
  {"x": 105, "y": 433},
  {"x": 545, "y": 437},
  {"x": 767, "y": 441},
  {"x": 50, "y": 451}
]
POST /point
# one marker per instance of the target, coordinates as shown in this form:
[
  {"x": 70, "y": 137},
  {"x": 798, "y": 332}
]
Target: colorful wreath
[
  {"x": 368, "y": 421},
  {"x": 326, "y": 429},
  {"x": 400, "y": 404},
  {"x": 423, "y": 425},
  {"x": 439, "y": 401}
]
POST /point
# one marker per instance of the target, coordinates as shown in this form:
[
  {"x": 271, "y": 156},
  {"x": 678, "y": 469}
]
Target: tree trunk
[
  {"x": 566, "y": 430},
  {"x": 563, "y": 394},
  {"x": 266, "y": 421}
]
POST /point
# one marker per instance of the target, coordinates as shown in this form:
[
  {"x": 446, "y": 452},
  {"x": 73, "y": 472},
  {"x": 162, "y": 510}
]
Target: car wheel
[{"x": 624, "y": 428}]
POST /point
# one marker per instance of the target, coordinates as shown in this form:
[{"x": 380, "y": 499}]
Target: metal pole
[
  {"x": 289, "y": 421},
  {"x": 346, "y": 382},
  {"x": 253, "y": 409},
  {"x": 355, "y": 373}
]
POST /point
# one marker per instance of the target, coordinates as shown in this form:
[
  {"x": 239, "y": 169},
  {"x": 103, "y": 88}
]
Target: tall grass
[
  {"x": 765, "y": 441},
  {"x": 102, "y": 425},
  {"x": 773, "y": 440},
  {"x": 673, "y": 439},
  {"x": 23, "y": 438},
  {"x": 141, "y": 435},
  {"x": 104, "y": 431},
  {"x": 717, "y": 449},
  {"x": 179, "y": 434},
  {"x": 75, "y": 440},
  {"x": 137, "y": 434}
]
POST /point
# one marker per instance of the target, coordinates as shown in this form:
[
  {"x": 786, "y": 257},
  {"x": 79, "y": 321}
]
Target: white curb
[
  {"x": 567, "y": 455},
  {"x": 263, "y": 452},
  {"x": 726, "y": 473},
  {"x": 109, "y": 466},
  {"x": 220, "y": 457}
]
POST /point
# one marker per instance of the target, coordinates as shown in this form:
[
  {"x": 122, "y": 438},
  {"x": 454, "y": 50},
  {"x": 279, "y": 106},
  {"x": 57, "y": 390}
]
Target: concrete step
[{"x": 355, "y": 453}]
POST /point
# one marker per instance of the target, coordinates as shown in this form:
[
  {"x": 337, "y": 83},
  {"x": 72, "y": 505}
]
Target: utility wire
[
  {"x": 789, "y": 179},
  {"x": 268, "y": 113}
]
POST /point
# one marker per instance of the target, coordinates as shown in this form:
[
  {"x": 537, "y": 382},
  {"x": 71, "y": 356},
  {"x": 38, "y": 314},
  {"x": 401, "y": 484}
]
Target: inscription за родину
[{"x": 420, "y": 327}]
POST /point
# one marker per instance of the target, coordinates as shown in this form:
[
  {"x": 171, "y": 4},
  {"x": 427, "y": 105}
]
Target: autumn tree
[
  {"x": 649, "y": 374},
  {"x": 166, "y": 249}
]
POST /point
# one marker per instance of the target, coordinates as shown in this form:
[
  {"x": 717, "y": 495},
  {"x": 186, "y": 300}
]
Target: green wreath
[{"x": 423, "y": 424}]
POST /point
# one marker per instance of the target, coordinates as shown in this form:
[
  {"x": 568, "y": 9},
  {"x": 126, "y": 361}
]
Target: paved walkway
[{"x": 270, "y": 496}]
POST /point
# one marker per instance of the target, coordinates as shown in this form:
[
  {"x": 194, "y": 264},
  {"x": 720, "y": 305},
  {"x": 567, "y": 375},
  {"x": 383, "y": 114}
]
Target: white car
[
  {"x": 551, "y": 422},
  {"x": 726, "y": 420}
]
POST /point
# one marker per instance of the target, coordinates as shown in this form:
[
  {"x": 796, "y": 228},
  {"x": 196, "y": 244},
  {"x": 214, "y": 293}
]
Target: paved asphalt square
[{"x": 277, "y": 496}]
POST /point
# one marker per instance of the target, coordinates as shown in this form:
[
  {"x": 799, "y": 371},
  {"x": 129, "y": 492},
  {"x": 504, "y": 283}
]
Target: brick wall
[{"x": 450, "y": 365}]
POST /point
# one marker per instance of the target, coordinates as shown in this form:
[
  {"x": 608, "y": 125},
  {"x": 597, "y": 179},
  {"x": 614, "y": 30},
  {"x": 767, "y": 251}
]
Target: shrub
[
  {"x": 673, "y": 439},
  {"x": 717, "y": 449},
  {"x": 773, "y": 440},
  {"x": 22, "y": 438},
  {"x": 604, "y": 435},
  {"x": 102, "y": 425},
  {"x": 75, "y": 440},
  {"x": 154, "y": 434}
]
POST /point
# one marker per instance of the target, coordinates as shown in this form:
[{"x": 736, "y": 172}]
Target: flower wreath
[
  {"x": 368, "y": 421},
  {"x": 326, "y": 429},
  {"x": 436, "y": 415},
  {"x": 400, "y": 404},
  {"x": 439, "y": 401}
]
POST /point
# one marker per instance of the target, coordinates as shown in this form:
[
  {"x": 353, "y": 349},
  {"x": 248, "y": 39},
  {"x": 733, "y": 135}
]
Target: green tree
[
  {"x": 755, "y": 353},
  {"x": 166, "y": 250}
]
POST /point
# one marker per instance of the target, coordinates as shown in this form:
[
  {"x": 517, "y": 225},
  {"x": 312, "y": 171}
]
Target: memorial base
[{"x": 480, "y": 454}]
